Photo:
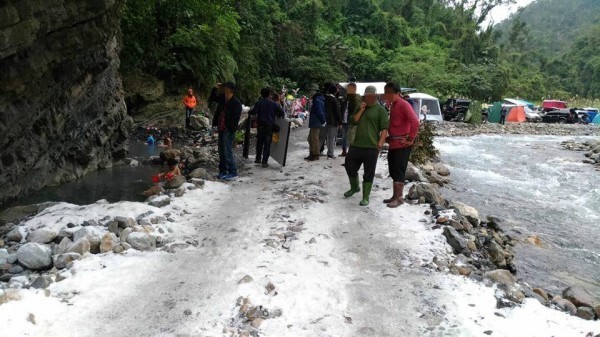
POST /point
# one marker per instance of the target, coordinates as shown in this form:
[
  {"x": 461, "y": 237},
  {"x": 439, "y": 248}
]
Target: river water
[
  {"x": 538, "y": 189},
  {"x": 118, "y": 183}
]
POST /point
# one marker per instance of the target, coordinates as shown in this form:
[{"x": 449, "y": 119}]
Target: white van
[{"x": 426, "y": 103}]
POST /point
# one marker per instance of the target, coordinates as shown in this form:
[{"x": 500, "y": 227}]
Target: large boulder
[
  {"x": 92, "y": 234},
  {"x": 35, "y": 256},
  {"x": 470, "y": 213},
  {"x": 441, "y": 169},
  {"x": 15, "y": 235},
  {"x": 108, "y": 242},
  {"x": 564, "y": 305},
  {"x": 413, "y": 174},
  {"x": 200, "y": 122},
  {"x": 579, "y": 296},
  {"x": 80, "y": 246},
  {"x": 63, "y": 246},
  {"x": 426, "y": 192},
  {"x": 42, "y": 235},
  {"x": 141, "y": 241},
  {"x": 175, "y": 183}
]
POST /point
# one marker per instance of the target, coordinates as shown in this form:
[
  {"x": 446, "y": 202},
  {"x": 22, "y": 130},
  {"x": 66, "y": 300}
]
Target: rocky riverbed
[
  {"x": 591, "y": 149},
  {"x": 452, "y": 129}
]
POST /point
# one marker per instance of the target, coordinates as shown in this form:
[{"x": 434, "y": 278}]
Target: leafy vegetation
[{"x": 437, "y": 46}]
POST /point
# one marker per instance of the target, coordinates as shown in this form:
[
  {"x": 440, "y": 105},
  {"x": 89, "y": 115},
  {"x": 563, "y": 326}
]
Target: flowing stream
[{"x": 537, "y": 188}]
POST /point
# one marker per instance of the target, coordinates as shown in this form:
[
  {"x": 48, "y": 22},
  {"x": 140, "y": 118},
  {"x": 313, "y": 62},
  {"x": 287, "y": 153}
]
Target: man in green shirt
[{"x": 371, "y": 122}]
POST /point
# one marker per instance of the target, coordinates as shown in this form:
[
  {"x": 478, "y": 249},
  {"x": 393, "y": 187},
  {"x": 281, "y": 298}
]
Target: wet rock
[
  {"x": 428, "y": 192},
  {"x": 141, "y": 241},
  {"x": 160, "y": 201},
  {"x": 42, "y": 282},
  {"x": 35, "y": 256},
  {"x": 455, "y": 240},
  {"x": 470, "y": 213},
  {"x": 441, "y": 169},
  {"x": 541, "y": 292},
  {"x": 108, "y": 242},
  {"x": 14, "y": 235},
  {"x": 578, "y": 296},
  {"x": 42, "y": 235},
  {"x": 80, "y": 246},
  {"x": 506, "y": 282},
  {"x": 61, "y": 261},
  {"x": 586, "y": 313},
  {"x": 494, "y": 223},
  {"x": 497, "y": 254},
  {"x": 175, "y": 183},
  {"x": 564, "y": 305}
]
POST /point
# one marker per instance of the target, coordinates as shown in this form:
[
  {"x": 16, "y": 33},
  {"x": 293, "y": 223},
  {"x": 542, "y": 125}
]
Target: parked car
[
  {"x": 551, "y": 104},
  {"x": 561, "y": 116},
  {"x": 455, "y": 109}
]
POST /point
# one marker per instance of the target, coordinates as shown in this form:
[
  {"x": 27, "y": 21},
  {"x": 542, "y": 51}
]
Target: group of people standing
[{"x": 366, "y": 127}]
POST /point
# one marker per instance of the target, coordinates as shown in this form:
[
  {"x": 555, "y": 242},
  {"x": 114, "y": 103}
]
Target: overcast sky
[{"x": 501, "y": 13}]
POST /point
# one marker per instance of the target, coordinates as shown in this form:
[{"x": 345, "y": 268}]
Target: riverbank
[
  {"x": 289, "y": 269},
  {"x": 452, "y": 129}
]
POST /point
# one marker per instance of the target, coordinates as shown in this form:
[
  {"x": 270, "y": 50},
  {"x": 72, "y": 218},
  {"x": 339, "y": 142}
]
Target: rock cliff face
[{"x": 62, "y": 112}]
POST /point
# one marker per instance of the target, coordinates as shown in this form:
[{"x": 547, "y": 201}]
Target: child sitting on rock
[{"x": 173, "y": 170}]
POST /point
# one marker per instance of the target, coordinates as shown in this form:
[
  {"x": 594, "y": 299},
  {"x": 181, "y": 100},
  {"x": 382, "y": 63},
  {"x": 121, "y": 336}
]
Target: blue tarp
[
  {"x": 592, "y": 115},
  {"x": 597, "y": 120}
]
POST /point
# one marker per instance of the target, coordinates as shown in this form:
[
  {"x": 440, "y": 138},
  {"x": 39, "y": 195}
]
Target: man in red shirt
[{"x": 404, "y": 126}]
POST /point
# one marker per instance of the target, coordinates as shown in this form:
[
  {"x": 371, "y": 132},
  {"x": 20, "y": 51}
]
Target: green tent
[
  {"x": 597, "y": 120},
  {"x": 495, "y": 113}
]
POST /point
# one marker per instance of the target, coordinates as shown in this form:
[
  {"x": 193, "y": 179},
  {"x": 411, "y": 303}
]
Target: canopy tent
[
  {"x": 516, "y": 115},
  {"x": 592, "y": 112},
  {"x": 495, "y": 113},
  {"x": 597, "y": 120},
  {"x": 513, "y": 101},
  {"x": 420, "y": 100}
]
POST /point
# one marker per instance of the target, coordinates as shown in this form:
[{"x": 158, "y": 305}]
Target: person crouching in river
[
  {"x": 371, "y": 122},
  {"x": 404, "y": 126}
]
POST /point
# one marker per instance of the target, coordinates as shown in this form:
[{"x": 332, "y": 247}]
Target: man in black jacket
[
  {"x": 266, "y": 111},
  {"x": 334, "y": 119},
  {"x": 226, "y": 120}
]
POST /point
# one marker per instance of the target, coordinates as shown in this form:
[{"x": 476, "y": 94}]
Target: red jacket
[
  {"x": 189, "y": 101},
  {"x": 403, "y": 123}
]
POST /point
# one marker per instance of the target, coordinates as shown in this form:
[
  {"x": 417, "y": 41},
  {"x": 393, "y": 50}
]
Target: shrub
[{"x": 424, "y": 150}]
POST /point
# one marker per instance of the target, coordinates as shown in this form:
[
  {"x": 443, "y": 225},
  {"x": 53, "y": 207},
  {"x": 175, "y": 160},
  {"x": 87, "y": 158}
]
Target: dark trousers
[
  {"x": 361, "y": 156},
  {"x": 226, "y": 159},
  {"x": 264, "y": 137},
  {"x": 188, "y": 115},
  {"x": 502, "y": 119},
  {"x": 398, "y": 162}
]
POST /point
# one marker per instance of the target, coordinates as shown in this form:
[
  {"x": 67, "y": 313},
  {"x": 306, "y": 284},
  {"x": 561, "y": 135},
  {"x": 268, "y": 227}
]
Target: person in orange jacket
[{"x": 189, "y": 101}]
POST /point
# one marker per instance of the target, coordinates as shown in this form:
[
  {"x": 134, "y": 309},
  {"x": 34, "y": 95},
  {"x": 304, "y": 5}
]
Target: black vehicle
[
  {"x": 455, "y": 109},
  {"x": 561, "y": 116}
]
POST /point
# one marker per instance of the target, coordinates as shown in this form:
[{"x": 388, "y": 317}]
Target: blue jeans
[
  {"x": 226, "y": 160},
  {"x": 345, "y": 137},
  {"x": 188, "y": 114}
]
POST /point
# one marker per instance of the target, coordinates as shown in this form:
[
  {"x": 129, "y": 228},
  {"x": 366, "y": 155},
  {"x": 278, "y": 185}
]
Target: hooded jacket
[
  {"x": 332, "y": 109},
  {"x": 231, "y": 109},
  {"x": 316, "y": 118}
]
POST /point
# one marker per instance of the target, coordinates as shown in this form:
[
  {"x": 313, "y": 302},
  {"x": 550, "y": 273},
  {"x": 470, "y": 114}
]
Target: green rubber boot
[
  {"x": 366, "y": 194},
  {"x": 354, "y": 187}
]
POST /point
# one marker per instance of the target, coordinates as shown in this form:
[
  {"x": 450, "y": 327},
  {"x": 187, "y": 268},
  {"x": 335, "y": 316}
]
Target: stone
[
  {"x": 564, "y": 305},
  {"x": 200, "y": 173},
  {"x": 80, "y": 246},
  {"x": 141, "y": 241},
  {"x": 18, "y": 282},
  {"x": 92, "y": 234},
  {"x": 108, "y": 242},
  {"x": 455, "y": 240},
  {"x": 413, "y": 174},
  {"x": 113, "y": 227},
  {"x": 3, "y": 256},
  {"x": 87, "y": 223},
  {"x": 494, "y": 223},
  {"x": 441, "y": 169},
  {"x": 506, "y": 282},
  {"x": 125, "y": 233},
  {"x": 42, "y": 235},
  {"x": 125, "y": 222},
  {"x": 14, "y": 235},
  {"x": 63, "y": 246},
  {"x": 16, "y": 269},
  {"x": 428, "y": 192},
  {"x": 246, "y": 279},
  {"x": 541, "y": 292},
  {"x": 175, "y": 183},
  {"x": 470, "y": 213},
  {"x": 125, "y": 245},
  {"x": 497, "y": 254},
  {"x": 199, "y": 122},
  {"x": 597, "y": 310},
  {"x": 42, "y": 282},
  {"x": 35, "y": 256},
  {"x": 579, "y": 297},
  {"x": 160, "y": 201},
  {"x": 12, "y": 258},
  {"x": 472, "y": 245},
  {"x": 62, "y": 261},
  {"x": 586, "y": 313}
]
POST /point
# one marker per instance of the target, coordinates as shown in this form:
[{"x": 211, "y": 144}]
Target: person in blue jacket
[{"x": 316, "y": 120}]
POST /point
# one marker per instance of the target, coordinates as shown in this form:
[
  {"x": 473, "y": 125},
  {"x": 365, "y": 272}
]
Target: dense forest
[
  {"x": 556, "y": 42},
  {"x": 437, "y": 46}
]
